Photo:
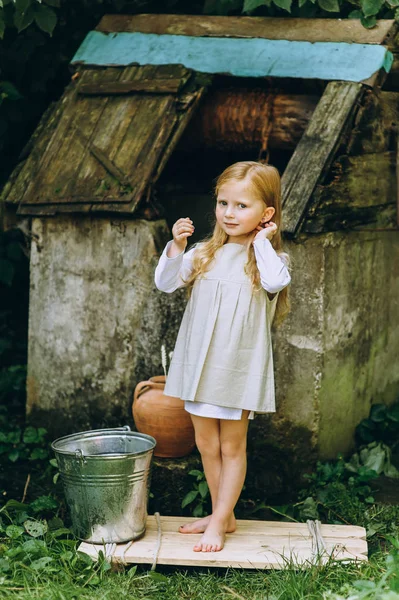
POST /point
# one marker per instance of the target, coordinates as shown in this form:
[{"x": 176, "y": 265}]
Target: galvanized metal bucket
[{"x": 106, "y": 477}]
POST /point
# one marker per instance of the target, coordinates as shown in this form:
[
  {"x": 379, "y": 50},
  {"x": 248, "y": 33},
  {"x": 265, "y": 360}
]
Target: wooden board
[
  {"x": 254, "y": 545},
  {"x": 106, "y": 149},
  {"x": 361, "y": 193},
  {"x": 253, "y": 57},
  {"x": 311, "y": 30},
  {"x": 315, "y": 151}
]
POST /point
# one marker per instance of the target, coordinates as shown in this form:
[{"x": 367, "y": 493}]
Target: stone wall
[
  {"x": 96, "y": 321},
  {"x": 97, "y": 324}
]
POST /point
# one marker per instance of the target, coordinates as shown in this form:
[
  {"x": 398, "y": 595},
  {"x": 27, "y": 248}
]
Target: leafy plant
[
  {"x": 382, "y": 425},
  {"x": 385, "y": 588},
  {"x": 19, "y": 444},
  {"x": 199, "y": 496}
]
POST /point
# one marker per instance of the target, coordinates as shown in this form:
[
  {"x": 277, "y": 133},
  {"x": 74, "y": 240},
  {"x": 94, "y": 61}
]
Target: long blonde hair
[{"x": 264, "y": 184}]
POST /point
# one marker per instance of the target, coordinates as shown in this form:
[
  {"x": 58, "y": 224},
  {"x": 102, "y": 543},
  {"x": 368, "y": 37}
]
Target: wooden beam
[
  {"x": 316, "y": 149},
  {"x": 310, "y": 30},
  {"x": 220, "y": 124},
  {"x": 238, "y": 57}
]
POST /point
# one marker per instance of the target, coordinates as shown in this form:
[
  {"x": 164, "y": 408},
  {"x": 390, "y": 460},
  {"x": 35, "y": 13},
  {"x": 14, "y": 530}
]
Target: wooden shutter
[{"x": 115, "y": 133}]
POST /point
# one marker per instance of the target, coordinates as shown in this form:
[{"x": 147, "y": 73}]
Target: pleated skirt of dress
[{"x": 223, "y": 354}]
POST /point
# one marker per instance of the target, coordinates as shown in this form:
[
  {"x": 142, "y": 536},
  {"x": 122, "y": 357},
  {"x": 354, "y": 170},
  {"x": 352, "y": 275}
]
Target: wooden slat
[
  {"x": 255, "y": 545},
  {"x": 193, "y": 100},
  {"x": 361, "y": 192},
  {"x": 316, "y": 149},
  {"x": 153, "y": 86},
  {"x": 310, "y": 30},
  {"x": 238, "y": 57}
]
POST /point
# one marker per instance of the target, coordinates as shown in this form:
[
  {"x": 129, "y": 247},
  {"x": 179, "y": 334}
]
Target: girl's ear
[{"x": 268, "y": 214}]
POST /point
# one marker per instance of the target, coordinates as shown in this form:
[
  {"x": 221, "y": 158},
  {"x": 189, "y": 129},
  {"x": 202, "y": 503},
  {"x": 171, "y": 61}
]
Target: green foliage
[
  {"x": 198, "y": 496},
  {"x": 21, "y": 444},
  {"x": 384, "y": 588},
  {"x": 382, "y": 425},
  {"x": 33, "y": 548}
]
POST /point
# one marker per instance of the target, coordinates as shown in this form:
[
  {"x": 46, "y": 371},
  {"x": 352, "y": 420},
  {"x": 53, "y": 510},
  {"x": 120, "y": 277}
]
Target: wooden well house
[{"x": 157, "y": 107}]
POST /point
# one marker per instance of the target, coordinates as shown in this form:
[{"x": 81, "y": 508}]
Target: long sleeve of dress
[
  {"x": 274, "y": 274},
  {"x": 171, "y": 273}
]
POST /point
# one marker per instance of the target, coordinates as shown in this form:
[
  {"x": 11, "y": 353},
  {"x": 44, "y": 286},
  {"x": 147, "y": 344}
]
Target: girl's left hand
[{"x": 266, "y": 232}]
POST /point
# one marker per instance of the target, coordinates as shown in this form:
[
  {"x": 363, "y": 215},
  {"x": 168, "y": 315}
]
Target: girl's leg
[
  {"x": 233, "y": 443},
  {"x": 207, "y": 439}
]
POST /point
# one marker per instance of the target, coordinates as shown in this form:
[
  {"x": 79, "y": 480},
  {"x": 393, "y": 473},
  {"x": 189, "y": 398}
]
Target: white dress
[{"x": 222, "y": 362}]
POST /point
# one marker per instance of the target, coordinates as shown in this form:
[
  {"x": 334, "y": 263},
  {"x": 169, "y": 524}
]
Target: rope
[
  {"x": 263, "y": 155},
  {"x": 109, "y": 551},
  {"x": 318, "y": 544},
  {"x": 159, "y": 538}
]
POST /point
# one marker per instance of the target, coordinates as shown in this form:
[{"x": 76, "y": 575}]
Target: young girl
[{"x": 222, "y": 365}]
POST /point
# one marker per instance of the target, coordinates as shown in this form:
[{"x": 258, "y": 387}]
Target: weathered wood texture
[
  {"x": 254, "y": 545},
  {"x": 311, "y": 30},
  {"x": 241, "y": 118},
  {"x": 392, "y": 80},
  {"x": 32, "y": 153},
  {"x": 154, "y": 86},
  {"x": 361, "y": 194},
  {"x": 360, "y": 190},
  {"x": 316, "y": 149},
  {"x": 106, "y": 150}
]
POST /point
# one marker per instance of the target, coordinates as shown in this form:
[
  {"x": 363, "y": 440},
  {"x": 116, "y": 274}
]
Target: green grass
[{"x": 168, "y": 584}]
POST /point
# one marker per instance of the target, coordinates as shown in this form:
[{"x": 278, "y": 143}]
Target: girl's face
[{"x": 237, "y": 213}]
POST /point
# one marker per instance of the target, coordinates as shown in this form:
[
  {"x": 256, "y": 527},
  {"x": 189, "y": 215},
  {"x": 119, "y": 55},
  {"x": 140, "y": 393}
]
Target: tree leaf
[
  {"x": 203, "y": 489},
  {"x": 378, "y": 413},
  {"x": 22, "y": 5},
  {"x": 38, "y": 454},
  {"x": 13, "y": 455},
  {"x": 41, "y": 563},
  {"x": 36, "y": 528},
  {"x": 30, "y": 435},
  {"x": 45, "y": 18},
  {"x": 371, "y": 7},
  {"x": 251, "y": 5},
  {"x": 285, "y": 4},
  {"x": 196, "y": 473},
  {"x": 22, "y": 19},
  {"x": 368, "y": 22},
  {"x": 188, "y": 498},
  {"x": 43, "y": 503},
  {"x": 329, "y": 5},
  {"x": 14, "y": 531},
  {"x": 355, "y": 14}
]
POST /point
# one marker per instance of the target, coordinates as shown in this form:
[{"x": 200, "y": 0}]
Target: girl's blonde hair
[{"x": 263, "y": 184}]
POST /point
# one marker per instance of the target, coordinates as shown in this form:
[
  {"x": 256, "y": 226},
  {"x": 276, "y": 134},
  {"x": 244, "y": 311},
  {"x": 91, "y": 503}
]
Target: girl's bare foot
[
  {"x": 213, "y": 539},
  {"x": 201, "y": 525}
]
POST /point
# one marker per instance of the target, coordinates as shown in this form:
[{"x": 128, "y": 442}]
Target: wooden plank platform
[{"x": 254, "y": 545}]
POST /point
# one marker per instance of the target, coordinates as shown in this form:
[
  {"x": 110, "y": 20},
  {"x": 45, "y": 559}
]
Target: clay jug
[{"x": 164, "y": 418}]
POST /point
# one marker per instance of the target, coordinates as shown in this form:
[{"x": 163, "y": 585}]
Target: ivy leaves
[{"x": 23, "y": 13}]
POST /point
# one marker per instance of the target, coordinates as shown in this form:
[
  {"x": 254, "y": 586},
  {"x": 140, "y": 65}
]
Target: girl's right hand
[{"x": 181, "y": 230}]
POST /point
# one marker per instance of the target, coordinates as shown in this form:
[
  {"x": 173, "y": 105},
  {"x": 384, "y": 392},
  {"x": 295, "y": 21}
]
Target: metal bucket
[{"x": 106, "y": 477}]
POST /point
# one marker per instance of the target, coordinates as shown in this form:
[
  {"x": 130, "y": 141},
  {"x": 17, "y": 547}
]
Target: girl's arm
[
  {"x": 274, "y": 274},
  {"x": 171, "y": 273}
]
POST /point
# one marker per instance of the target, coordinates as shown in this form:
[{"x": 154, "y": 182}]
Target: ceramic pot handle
[{"x": 142, "y": 387}]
